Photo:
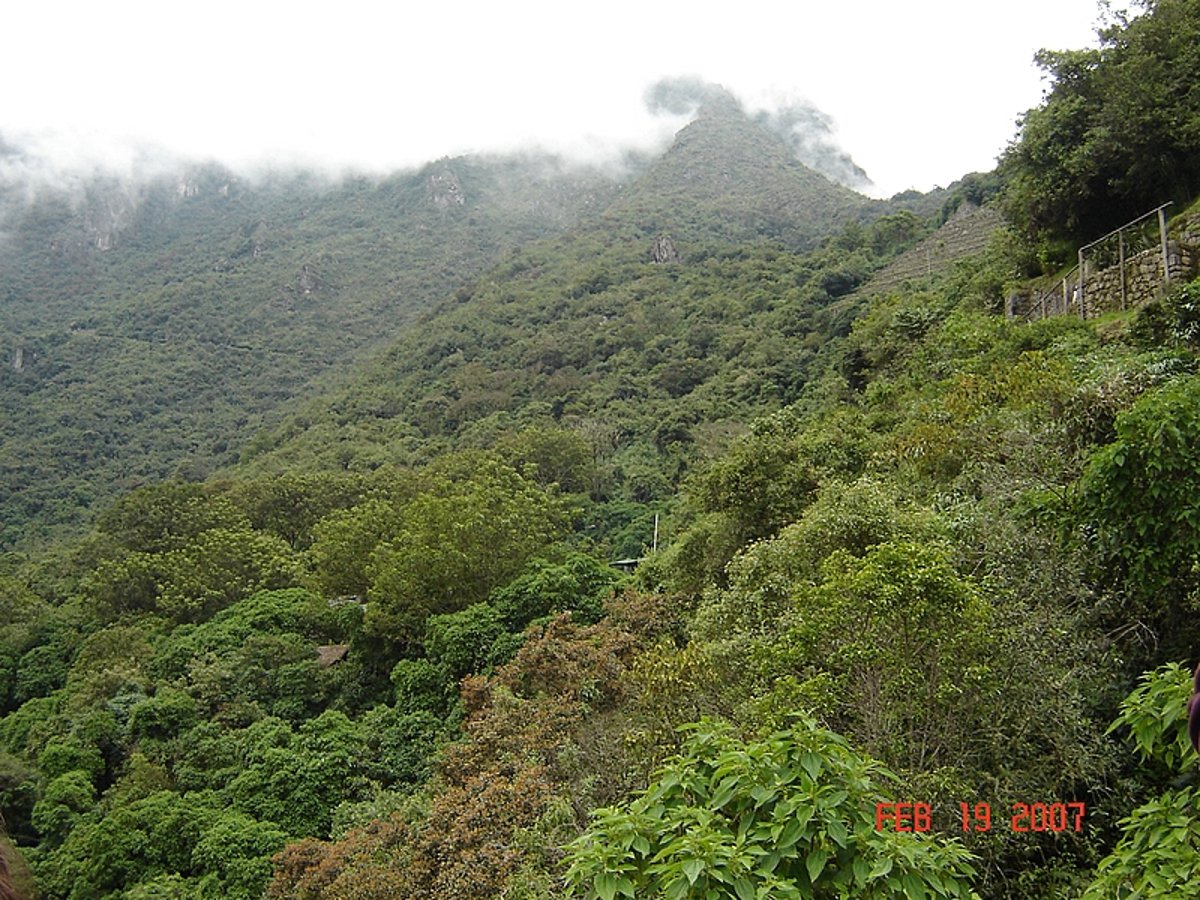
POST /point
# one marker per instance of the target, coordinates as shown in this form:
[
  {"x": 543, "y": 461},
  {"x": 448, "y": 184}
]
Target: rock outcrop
[
  {"x": 445, "y": 190},
  {"x": 664, "y": 250}
]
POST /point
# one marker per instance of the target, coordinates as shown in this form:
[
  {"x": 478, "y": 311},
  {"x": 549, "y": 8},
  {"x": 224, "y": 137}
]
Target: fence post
[
  {"x": 1162, "y": 231},
  {"x": 1082, "y": 282},
  {"x": 1121, "y": 241}
]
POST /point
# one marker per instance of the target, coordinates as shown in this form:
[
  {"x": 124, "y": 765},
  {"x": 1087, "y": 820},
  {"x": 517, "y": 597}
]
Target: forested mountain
[
  {"x": 698, "y": 299},
  {"x": 728, "y": 177},
  {"x": 148, "y": 329},
  {"x": 919, "y": 621}
]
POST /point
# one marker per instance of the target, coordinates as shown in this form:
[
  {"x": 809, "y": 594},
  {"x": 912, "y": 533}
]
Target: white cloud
[{"x": 921, "y": 92}]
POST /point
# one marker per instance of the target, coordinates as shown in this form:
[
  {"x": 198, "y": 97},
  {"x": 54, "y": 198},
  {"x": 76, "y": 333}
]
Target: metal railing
[
  {"x": 1100, "y": 251},
  {"x": 1113, "y": 250},
  {"x": 1057, "y": 300}
]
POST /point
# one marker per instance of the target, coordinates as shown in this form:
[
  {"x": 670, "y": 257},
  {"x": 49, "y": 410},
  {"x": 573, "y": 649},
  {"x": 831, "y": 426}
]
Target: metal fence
[
  {"x": 1118, "y": 246},
  {"x": 1110, "y": 253}
]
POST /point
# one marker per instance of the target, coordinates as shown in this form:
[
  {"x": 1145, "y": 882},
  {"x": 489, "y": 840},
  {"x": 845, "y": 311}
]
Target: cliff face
[
  {"x": 444, "y": 190},
  {"x": 664, "y": 250}
]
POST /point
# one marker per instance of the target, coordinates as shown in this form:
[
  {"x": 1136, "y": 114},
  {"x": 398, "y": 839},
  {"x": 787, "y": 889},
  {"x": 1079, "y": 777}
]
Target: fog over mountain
[
  {"x": 66, "y": 160},
  {"x": 918, "y": 93},
  {"x": 807, "y": 130}
]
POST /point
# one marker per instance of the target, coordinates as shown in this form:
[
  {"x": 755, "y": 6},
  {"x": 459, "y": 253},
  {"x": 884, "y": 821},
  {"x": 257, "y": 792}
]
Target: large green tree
[
  {"x": 1119, "y": 130},
  {"x": 472, "y": 531}
]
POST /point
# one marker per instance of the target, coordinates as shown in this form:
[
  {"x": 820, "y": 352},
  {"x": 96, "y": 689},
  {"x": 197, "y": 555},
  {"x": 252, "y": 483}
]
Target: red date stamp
[
  {"x": 903, "y": 817},
  {"x": 915, "y": 816}
]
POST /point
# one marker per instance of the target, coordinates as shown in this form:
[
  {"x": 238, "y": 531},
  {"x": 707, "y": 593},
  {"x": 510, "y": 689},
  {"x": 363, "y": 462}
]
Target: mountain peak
[{"x": 732, "y": 177}]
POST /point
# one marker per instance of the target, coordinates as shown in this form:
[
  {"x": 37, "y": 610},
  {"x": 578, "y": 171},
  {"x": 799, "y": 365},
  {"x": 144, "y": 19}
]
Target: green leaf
[
  {"x": 882, "y": 866},
  {"x": 862, "y": 871},
  {"x": 725, "y": 791},
  {"x": 762, "y": 795},
  {"x": 913, "y": 888},
  {"x": 606, "y": 886},
  {"x": 767, "y": 864},
  {"x": 815, "y": 863},
  {"x": 791, "y": 833},
  {"x": 837, "y": 832},
  {"x": 811, "y": 763}
]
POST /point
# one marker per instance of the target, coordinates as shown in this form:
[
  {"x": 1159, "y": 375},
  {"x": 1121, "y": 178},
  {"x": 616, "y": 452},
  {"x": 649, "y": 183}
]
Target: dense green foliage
[
  {"x": 1139, "y": 493},
  {"x": 178, "y": 691},
  {"x": 149, "y": 330},
  {"x": 908, "y": 550},
  {"x": 790, "y": 816},
  {"x": 1119, "y": 131}
]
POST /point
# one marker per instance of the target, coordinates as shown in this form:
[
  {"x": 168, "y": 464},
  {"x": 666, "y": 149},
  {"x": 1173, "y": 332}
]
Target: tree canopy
[{"x": 1119, "y": 130}]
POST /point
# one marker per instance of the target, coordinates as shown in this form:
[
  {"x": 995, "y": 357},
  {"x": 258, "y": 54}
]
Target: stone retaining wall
[{"x": 1143, "y": 279}]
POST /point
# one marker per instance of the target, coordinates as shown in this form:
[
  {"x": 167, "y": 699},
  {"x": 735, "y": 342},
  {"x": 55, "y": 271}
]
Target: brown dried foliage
[{"x": 533, "y": 730}]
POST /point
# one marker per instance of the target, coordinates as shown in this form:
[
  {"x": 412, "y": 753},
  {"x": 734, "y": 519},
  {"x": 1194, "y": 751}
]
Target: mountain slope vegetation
[
  {"x": 910, "y": 551},
  {"x": 148, "y": 330},
  {"x": 650, "y": 335}
]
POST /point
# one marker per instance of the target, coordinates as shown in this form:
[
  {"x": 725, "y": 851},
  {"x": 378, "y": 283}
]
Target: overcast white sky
[{"x": 921, "y": 91}]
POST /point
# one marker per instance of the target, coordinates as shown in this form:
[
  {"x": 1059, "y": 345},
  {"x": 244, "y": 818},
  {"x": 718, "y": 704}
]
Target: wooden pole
[
  {"x": 1162, "y": 231},
  {"x": 1082, "y": 282},
  {"x": 1121, "y": 239}
]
